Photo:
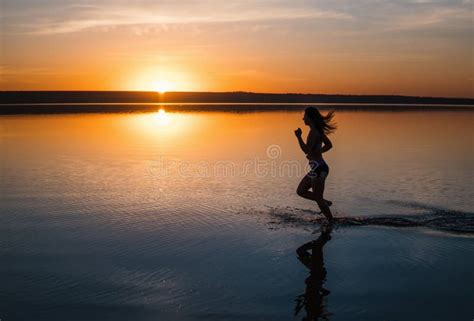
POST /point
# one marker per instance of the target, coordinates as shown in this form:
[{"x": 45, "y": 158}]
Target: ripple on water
[{"x": 431, "y": 218}]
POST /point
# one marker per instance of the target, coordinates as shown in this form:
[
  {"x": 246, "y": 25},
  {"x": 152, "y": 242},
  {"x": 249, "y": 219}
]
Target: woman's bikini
[{"x": 318, "y": 168}]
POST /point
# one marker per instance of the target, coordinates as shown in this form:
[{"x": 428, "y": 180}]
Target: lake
[{"x": 194, "y": 216}]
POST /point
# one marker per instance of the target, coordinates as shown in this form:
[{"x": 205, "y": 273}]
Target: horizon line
[{"x": 232, "y": 92}]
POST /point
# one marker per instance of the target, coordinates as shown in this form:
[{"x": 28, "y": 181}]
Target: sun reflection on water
[
  {"x": 163, "y": 125},
  {"x": 161, "y": 118}
]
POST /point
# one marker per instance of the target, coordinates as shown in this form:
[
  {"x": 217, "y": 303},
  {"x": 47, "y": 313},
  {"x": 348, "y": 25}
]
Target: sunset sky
[{"x": 335, "y": 46}]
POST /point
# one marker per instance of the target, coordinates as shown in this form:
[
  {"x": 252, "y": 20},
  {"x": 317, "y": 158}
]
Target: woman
[{"x": 320, "y": 126}]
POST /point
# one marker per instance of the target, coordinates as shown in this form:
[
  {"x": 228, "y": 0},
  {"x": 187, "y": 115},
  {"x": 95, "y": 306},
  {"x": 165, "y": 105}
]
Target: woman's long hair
[{"x": 324, "y": 124}]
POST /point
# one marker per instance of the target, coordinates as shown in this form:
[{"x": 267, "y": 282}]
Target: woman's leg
[
  {"x": 303, "y": 190},
  {"x": 317, "y": 184}
]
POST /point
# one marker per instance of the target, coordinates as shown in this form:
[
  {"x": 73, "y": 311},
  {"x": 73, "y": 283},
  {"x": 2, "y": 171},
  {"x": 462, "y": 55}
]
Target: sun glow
[
  {"x": 161, "y": 80},
  {"x": 163, "y": 86}
]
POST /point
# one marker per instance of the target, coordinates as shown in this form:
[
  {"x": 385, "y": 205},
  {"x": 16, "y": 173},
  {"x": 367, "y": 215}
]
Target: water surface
[{"x": 193, "y": 216}]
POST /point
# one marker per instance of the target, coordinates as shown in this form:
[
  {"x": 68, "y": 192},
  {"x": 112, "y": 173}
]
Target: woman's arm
[
  {"x": 327, "y": 144},
  {"x": 303, "y": 146}
]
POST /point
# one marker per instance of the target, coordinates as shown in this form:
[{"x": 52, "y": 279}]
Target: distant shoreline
[
  {"x": 51, "y": 102},
  {"x": 11, "y": 97},
  {"x": 82, "y": 108}
]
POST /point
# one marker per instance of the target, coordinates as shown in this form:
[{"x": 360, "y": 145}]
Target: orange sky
[{"x": 352, "y": 47}]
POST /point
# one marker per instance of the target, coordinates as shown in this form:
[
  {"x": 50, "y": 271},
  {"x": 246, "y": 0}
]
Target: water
[{"x": 193, "y": 216}]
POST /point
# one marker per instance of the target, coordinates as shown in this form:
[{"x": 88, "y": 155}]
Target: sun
[
  {"x": 162, "y": 86},
  {"x": 161, "y": 79}
]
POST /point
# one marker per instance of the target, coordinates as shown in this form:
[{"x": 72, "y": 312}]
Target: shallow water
[{"x": 189, "y": 216}]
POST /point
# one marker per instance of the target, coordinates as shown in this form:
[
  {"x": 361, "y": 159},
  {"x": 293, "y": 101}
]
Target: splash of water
[{"x": 433, "y": 217}]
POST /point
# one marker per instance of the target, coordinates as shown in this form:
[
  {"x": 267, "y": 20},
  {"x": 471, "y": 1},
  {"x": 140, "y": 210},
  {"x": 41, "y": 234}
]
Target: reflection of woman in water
[
  {"x": 320, "y": 126},
  {"x": 311, "y": 255}
]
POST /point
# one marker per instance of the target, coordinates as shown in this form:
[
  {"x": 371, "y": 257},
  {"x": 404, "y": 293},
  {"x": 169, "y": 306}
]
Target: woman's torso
[{"x": 315, "y": 140}]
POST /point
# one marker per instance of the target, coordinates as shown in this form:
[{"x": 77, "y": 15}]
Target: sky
[{"x": 409, "y": 47}]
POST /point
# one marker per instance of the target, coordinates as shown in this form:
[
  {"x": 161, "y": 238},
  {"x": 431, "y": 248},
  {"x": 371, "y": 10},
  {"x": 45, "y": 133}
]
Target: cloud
[
  {"x": 75, "y": 18},
  {"x": 337, "y": 17},
  {"x": 436, "y": 16},
  {"x": 7, "y": 71}
]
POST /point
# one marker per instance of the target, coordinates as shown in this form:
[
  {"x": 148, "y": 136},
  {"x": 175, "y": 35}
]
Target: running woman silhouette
[{"x": 316, "y": 144}]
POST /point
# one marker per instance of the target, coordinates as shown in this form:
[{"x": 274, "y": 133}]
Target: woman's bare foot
[
  {"x": 329, "y": 217},
  {"x": 329, "y": 204}
]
